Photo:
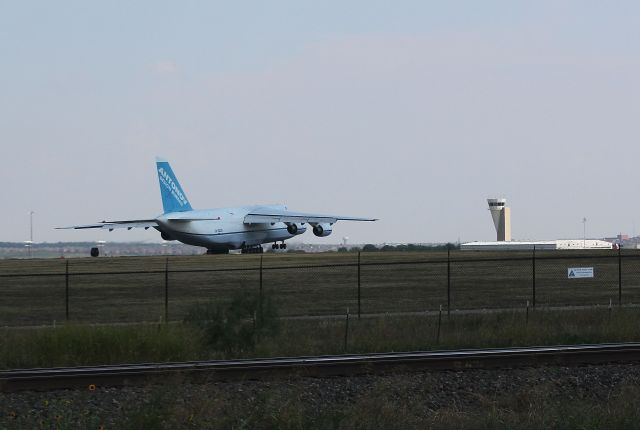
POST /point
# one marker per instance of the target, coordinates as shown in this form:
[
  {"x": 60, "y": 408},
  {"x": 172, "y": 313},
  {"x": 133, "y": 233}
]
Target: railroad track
[{"x": 321, "y": 366}]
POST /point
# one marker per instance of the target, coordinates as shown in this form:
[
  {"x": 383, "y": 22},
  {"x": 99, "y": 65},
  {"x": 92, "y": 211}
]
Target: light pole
[
  {"x": 584, "y": 233},
  {"x": 31, "y": 225},
  {"x": 29, "y": 244}
]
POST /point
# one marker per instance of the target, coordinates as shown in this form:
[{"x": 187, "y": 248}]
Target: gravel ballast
[{"x": 525, "y": 397}]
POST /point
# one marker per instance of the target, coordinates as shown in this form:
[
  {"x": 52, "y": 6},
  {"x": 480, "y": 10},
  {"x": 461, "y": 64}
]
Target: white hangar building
[
  {"x": 541, "y": 245},
  {"x": 501, "y": 215}
]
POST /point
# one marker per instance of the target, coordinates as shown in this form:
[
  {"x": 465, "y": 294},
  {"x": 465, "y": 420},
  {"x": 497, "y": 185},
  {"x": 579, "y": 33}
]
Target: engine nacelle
[
  {"x": 165, "y": 236},
  {"x": 322, "y": 230},
  {"x": 296, "y": 229}
]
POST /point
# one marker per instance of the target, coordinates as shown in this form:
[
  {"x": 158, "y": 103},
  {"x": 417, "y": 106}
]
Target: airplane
[{"x": 223, "y": 229}]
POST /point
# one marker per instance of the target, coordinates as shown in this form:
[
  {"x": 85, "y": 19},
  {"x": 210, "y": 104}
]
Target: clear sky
[{"x": 411, "y": 111}]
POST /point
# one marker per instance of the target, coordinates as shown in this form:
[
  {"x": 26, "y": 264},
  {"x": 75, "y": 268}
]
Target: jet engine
[
  {"x": 165, "y": 236},
  {"x": 322, "y": 230},
  {"x": 296, "y": 229}
]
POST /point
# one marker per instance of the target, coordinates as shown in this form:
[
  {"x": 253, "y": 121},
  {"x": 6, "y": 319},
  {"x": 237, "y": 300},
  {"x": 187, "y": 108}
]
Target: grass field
[
  {"x": 544, "y": 398},
  {"x": 74, "y": 345},
  {"x": 108, "y": 290}
]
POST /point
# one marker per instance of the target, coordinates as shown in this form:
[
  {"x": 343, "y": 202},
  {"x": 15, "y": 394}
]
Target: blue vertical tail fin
[{"x": 173, "y": 198}]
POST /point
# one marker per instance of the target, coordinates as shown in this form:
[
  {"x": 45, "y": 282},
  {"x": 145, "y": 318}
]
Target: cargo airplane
[{"x": 223, "y": 229}]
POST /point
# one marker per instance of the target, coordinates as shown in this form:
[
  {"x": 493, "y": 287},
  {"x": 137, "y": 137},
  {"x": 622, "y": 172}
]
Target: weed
[
  {"x": 235, "y": 327},
  {"x": 237, "y": 331}
]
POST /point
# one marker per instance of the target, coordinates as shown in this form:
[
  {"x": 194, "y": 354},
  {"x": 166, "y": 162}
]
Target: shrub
[{"x": 237, "y": 326}]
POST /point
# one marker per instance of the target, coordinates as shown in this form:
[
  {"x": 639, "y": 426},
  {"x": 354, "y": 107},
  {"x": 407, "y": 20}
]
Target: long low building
[{"x": 538, "y": 245}]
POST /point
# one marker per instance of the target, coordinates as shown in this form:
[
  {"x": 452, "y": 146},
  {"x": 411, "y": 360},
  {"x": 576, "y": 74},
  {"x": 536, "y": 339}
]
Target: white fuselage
[{"x": 223, "y": 228}]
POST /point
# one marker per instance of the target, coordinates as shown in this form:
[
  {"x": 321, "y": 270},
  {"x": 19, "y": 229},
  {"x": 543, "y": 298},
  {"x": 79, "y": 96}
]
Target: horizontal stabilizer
[{"x": 128, "y": 224}]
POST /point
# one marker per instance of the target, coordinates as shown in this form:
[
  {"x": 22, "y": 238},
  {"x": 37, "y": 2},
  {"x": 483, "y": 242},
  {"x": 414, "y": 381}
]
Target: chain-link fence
[{"x": 121, "y": 290}]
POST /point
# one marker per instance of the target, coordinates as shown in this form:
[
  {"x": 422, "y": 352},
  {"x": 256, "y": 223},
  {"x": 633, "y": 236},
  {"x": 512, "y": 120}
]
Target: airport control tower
[{"x": 501, "y": 215}]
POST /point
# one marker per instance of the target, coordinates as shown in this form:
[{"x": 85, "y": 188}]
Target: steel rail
[{"x": 320, "y": 366}]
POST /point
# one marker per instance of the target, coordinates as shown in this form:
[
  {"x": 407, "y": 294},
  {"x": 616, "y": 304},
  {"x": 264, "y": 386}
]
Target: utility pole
[
  {"x": 30, "y": 243},
  {"x": 584, "y": 233},
  {"x": 31, "y": 225}
]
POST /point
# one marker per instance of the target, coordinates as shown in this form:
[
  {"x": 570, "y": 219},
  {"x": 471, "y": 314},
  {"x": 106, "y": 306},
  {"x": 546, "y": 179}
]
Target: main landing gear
[
  {"x": 280, "y": 246},
  {"x": 252, "y": 250}
]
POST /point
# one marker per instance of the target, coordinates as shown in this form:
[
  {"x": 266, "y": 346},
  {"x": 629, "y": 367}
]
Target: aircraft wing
[
  {"x": 128, "y": 224},
  {"x": 268, "y": 215}
]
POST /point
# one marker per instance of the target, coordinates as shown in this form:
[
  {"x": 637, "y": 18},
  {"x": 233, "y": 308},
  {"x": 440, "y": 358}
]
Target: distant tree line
[
  {"x": 408, "y": 247},
  {"x": 45, "y": 244}
]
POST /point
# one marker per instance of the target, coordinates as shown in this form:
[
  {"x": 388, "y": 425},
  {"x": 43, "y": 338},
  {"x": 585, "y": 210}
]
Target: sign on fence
[{"x": 579, "y": 272}]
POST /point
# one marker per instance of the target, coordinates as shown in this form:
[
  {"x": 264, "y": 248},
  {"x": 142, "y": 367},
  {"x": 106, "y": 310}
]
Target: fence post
[
  {"x": 448, "y": 282},
  {"x": 166, "y": 290},
  {"x": 346, "y": 332},
  {"x": 260, "y": 293},
  {"x": 609, "y": 311},
  {"x": 439, "y": 324},
  {"x": 533, "y": 278},
  {"x": 619, "y": 275},
  {"x": 358, "y": 284},
  {"x": 66, "y": 290}
]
